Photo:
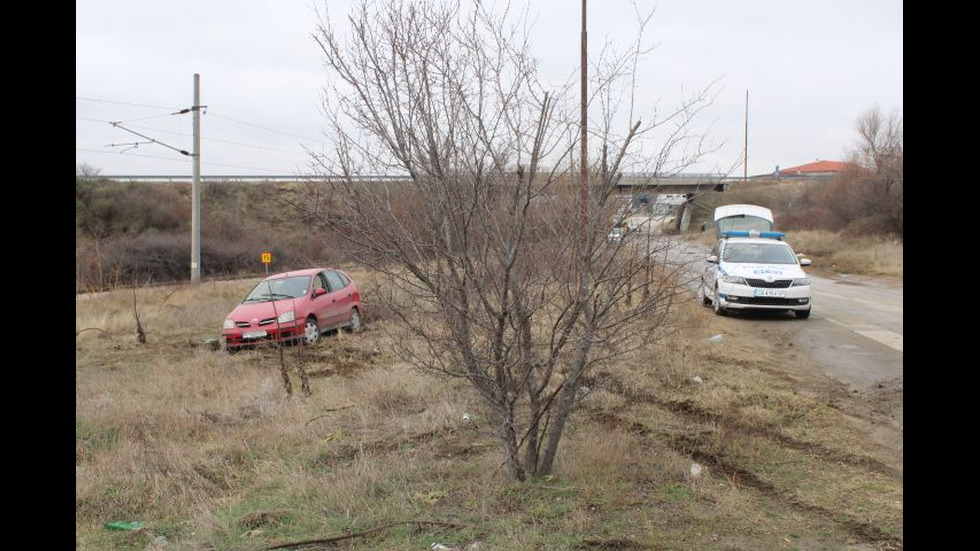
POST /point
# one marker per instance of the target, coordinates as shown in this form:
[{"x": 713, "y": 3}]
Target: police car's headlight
[
  {"x": 229, "y": 324},
  {"x": 801, "y": 282},
  {"x": 734, "y": 279}
]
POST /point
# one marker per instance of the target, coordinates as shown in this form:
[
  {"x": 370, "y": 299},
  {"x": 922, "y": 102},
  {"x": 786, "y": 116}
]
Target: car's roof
[
  {"x": 764, "y": 240},
  {"x": 744, "y": 210},
  {"x": 294, "y": 273}
]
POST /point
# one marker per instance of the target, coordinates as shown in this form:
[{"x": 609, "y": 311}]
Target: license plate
[
  {"x": 254, "y": 334},
  {"x": 770, "y": 293}
]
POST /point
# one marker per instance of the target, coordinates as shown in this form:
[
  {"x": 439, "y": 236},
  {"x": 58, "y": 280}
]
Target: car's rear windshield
[
  {"x": 743, "y": 222},
  {"x": 277, "y": 289},
  {"x": 759, "y": 253}
]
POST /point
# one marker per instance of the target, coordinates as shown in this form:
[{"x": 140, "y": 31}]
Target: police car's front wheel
[
  {"x": 716, "y": 304},
  {"x": 704, "y": 294},
  {"x": 802, "y": 314}
]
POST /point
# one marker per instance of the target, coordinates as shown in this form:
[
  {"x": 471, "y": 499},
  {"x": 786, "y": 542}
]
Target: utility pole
[
  {"x": 745, "y": 161},
  {"x": 584, "y": 153},
  {"x": 196, "y": 193}
]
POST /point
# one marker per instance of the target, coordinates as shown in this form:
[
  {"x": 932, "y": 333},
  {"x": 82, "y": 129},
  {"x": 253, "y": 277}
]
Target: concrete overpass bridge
[
  {"x": 683, "y": 183},
  {"x": 629, "y": 183}
]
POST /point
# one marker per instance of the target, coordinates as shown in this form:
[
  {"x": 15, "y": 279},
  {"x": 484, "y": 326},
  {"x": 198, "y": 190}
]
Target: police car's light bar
[{"x": 754, "y": 233}]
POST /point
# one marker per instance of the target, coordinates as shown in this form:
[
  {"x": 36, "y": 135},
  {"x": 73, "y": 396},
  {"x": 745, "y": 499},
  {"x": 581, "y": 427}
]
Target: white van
[{"x": 743, "y": 217}]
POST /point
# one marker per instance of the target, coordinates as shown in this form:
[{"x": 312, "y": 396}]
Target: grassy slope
[
  {"x": 204, "y": 447},
  {"x": 239, "y": 221}
]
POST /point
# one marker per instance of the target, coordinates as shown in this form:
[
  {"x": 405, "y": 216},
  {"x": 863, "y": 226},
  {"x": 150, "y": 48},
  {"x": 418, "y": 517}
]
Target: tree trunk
[
  {"x": 507, "y": 436},
  {"x": 531, "y": 442},
  {"x": 566, "y": 401}
]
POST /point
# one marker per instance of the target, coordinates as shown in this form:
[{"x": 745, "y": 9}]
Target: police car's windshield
[{"x": 759, "y": 253}]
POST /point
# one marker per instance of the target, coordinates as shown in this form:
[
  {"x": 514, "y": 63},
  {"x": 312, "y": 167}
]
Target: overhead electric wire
[
  {"x": 217, "y": 140},
  {"x": 267, "y": 148},
  {"x": 212, "y": 113},
  {"x": 162, "y": 131},
  {"x": 266, "y": 128},
  {"x": 179, "y": 160},
  {"x": 245, "y": 167},
  {"x": 171, "y": 159},
  {"x": 158, "y": 142},
  {"x": 97, "y": 100},
  {"x": 117, "y": 124},
  {"x": 148, "y": 117}
]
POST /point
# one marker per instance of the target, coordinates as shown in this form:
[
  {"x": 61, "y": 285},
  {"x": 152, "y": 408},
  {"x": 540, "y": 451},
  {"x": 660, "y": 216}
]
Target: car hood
[
  {"x": 257, "y": 311},
  {"x": 763, "y": 271}
]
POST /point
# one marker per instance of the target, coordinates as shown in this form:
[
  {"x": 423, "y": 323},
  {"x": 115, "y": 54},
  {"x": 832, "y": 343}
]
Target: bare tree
[
  {"x": 87, "y": 171},
  {"x": 881, "y": 139},
  {"x": 881, "y": 152},
  {"x": 488, "y": 262}
]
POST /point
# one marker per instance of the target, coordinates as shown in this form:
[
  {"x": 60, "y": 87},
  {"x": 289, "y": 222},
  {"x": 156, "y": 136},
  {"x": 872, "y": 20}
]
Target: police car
[{"x": 750, "y": 269}]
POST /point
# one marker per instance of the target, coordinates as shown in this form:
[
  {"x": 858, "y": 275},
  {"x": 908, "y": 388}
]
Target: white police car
[{"x": 755, "y": 270}]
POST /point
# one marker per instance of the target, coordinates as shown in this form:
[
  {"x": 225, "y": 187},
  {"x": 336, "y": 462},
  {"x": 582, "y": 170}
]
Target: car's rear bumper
[{"x": 251, "y": 336}]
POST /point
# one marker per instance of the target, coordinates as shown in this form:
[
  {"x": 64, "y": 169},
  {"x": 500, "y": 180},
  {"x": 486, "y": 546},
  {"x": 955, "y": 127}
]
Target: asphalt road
[
  {"x": 855, "y": 333},
  {"x": 850, "y": 350}
]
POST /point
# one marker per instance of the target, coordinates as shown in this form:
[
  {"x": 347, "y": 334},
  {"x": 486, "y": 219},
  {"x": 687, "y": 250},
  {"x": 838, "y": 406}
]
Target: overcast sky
[{"x": 810, "y": 67}]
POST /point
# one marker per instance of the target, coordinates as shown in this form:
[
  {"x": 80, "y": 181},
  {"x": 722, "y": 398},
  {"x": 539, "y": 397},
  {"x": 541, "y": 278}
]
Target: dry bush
[
  {"x": 862, "y": 254},
  {"x": 868, "y": 199},
  {"x": 134, "y": 233},
  {"x": 105, "y": 208}
]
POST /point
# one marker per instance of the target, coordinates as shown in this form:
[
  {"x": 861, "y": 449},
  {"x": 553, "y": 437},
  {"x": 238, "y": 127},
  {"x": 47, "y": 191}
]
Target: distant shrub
[
  {"x": 856, "y": 202},
  {"x": 166, "y": 257}
]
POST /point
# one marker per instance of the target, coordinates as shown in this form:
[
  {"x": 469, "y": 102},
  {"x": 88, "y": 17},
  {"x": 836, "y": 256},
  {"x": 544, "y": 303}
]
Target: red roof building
[{"x": 815, "y": 170}]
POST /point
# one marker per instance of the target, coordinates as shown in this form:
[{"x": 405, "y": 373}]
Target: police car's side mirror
[
  {"x": 805, "y": 262},
  {"x": 713, "y": 259}
]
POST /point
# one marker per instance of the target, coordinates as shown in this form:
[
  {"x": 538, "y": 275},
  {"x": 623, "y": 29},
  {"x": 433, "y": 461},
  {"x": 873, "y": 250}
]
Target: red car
[{"x": 294, "y": 305}]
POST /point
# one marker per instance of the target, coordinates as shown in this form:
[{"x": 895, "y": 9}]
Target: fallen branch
[
  {"x": 419, "y": 523},
  {"x": 140, "y": 334},
  {"x": 79, "y": 332},
  {"x": 328, "y": 411}
]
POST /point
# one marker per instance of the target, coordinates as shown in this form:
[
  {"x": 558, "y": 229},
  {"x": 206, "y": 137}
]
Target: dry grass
[
  {"x": 852, "y": 255},
  {"x": 205, "y": 447}
]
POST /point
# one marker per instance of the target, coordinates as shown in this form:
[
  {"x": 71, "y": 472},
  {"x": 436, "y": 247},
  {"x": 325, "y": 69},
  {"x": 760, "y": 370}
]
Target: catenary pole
[{"x": 196, "y": 193}]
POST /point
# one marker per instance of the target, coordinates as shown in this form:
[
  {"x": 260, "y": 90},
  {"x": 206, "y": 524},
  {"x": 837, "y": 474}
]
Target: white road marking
[
  {"x": 885, "y": 337},
  {"x": 874, "y": 305},
  {"x": 888, "y": 338}
]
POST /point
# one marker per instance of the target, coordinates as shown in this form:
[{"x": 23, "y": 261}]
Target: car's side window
[
  {"x": 715, "y": 250},
  {"x": 319, "y": 282},
  {"x": 336, "y": 283}
]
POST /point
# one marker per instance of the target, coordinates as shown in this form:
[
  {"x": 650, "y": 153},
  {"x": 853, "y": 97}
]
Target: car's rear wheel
[
  {"x": 312, "y": 332},
  {"x": 355, "y": 321},
  {"x": 801, "y": 314},
  {"x": 716, "y": 304}
]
